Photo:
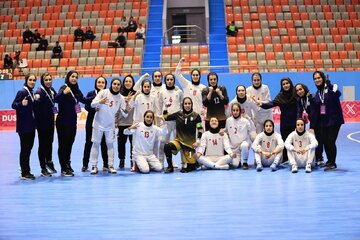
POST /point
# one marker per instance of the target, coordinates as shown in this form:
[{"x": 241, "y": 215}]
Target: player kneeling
[{"x": 145, "y": 134}]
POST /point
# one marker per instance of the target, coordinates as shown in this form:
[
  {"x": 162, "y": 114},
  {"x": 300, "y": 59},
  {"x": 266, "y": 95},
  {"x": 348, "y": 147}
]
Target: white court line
[{"x": 349, "y": 136}]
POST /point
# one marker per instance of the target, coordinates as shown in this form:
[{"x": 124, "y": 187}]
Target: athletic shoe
[
  {"x": 273, "y": 167},
  {"x": 28, "y": 176},
  {"x": 122, "y": 163},
  {"x": 84, "y": 168},
  {"x": 105, "y": 169},
  {"x": 320, "y": 163},
  {"x": 45, "y": 173},
  {"x": 294, "y": 168},
  {"x": 94, "y": 170},
  {"x": 245, "y": 166},
  {"x": 70, "y": 168},
  {"x": 112, "y": 170},
  {"x": 67, "y": 173},
  {"x": 330, "y": 167},
  {"x": 308, "y": 168},
  {"x": 50, "y": 166},
  {"x": 169, "y": 170},
  {"x": 259, "y": 168}
]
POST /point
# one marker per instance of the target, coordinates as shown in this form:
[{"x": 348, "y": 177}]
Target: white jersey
[
  {"x": 267, "y": 143},
  {"x": 155, "y": 91},
  {"x": 142, "y": 103},
  {"x": 305, "y": 141},
  {"x": 238, "y": 130},
  {"x": 248, "y": 108},
  {"x": 174, "y": 97},
  {"x": 261, "y": 94},
  {"x": 214, "y": 144},
  {"x": 191, "y": 90},
  {"x": 105, "y": 117},
  {"x": 145, "y": 138}
]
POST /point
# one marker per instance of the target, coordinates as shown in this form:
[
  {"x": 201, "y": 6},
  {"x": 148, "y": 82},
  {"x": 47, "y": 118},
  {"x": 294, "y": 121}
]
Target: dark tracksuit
[
  {"x": 66, "y": 125},
  {"x": 45, "y": 123},
  {"x": 25, "y": 127},
  {"x": 327, "y": 126}
]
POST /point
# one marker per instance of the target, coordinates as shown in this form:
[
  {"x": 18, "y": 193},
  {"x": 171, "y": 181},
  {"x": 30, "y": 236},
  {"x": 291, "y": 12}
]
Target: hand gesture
[
  {"x": 211, "y": 89},
  {"x": 257, "y": 102},
  {"x": 218, "y": 91},
  {"x": 67, "y": 90},
  {"x": 146, "y": 75},
  {"x": 134, "y": 126},
  {"x": 24, "y": 102},
  {"x": 182, "y": 59},
  {"x": 129, "y": 96},
  {"x": 103, "y": 100},
  {"x": 37, "y": 97}
]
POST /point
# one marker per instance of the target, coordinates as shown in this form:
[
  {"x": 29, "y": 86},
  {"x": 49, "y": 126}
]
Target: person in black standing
[
  {"x": 100, "y": 84},
  {"x": 45, "y": 110},
  {"x": 25, "y": 123},
  {"x": 327, "y": 117},
  {"x": 68, "y": 99},
  {"x": 286, "y": 100},
  {"x": 215, "y": 98}
]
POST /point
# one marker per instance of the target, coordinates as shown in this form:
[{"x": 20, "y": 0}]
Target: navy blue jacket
[
  {"x": 288, "y": 114},
  {"x": 67, "y": 115},
  {"x": 334, "y": 115},
  {"x": 25, "y": 119},
  {"x": 91, "y": 111},
  {"x": 309, "y": 109},
  {"x": 43, "y": 109}
]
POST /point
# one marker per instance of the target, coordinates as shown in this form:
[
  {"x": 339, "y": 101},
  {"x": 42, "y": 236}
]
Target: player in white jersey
[
  {"x": 156, "y": 88},
  {"x": 146, "y": 134},
  {"x": 248, "y": 107},
  {"x": 144, "y": 101},
  {"x": 172, "y": 98},
  {"x": 193, "y": 88},
  {"x": 268, "y": 147},
  {"x": 214, "y": 144},
  {"x": 261, "y": 93},
  {"x": 301, "y": 146},
  {"x": 108, "y": 101},
  {"x": 239, "y": 129}
]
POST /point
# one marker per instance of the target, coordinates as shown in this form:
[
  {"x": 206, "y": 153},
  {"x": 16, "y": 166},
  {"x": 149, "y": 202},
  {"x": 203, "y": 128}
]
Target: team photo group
[{"x": 160, "y": 115}]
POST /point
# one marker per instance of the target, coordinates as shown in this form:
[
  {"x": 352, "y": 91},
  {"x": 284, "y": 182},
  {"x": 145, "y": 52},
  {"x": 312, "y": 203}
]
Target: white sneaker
[
  {"x": 259, "y": 168},
  {"x": 308, "y": 168},
  {"x": 112, "y": 170},
  {"x": 273, "y": 167},
  {"x": 294, "y": 168},
  {"x": 105, "y": 169},
  {"x": 94, "y": 170}
]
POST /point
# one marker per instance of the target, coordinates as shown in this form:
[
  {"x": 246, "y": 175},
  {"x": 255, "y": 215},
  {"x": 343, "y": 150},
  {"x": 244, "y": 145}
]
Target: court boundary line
[{"x": 349, "y": 136}]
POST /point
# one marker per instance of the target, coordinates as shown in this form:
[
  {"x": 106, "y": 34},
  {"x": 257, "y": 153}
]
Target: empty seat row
[{"x": 79, "y": 8}]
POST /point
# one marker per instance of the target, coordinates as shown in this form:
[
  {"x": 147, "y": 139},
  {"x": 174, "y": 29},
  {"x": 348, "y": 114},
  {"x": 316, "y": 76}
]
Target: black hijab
[
  {"x": 74, "y": 87},
  {"x": 241, "y": 100},
  {"x": 111, "y": 90},
  {"x": 124, "y": 91},
  {"x": 273, "y": 125},
  {"x": 142, "y": 86},
  {"x": 286, "y": 97},
  {"x": 182, "y": 105}
]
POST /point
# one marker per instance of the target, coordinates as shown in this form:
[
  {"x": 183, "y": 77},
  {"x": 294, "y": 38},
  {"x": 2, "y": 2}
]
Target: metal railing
[{"x": 185, "y": 34}]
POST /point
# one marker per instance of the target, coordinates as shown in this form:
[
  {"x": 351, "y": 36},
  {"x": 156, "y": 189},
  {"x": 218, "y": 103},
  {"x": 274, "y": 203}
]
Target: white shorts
[{"x": 97, "y": 135}]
